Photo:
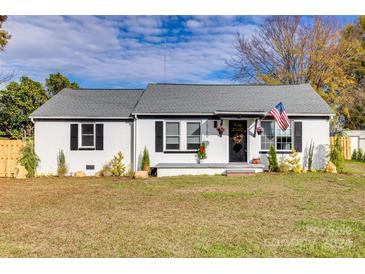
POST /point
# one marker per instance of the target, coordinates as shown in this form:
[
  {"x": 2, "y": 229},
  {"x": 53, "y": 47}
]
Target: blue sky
[{"x": 126, "y": 51}]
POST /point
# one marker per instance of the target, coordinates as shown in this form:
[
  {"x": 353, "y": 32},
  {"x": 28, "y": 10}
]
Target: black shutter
[
  {"x": 99, "y": 137},
  {"x": 74, "y": 136},
  {"x": 298, "y": 132},
  {"x": 159, "y": 136}
]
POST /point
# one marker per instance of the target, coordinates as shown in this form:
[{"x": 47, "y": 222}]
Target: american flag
[{"x": 278, "y": 112}]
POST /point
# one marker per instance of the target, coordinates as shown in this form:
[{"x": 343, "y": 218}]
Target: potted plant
[
  {"x": 220, "y": 129},
  {"x": 256, "y": 161},
  {"x": 259, "y": 130},
  {"x": 201, "y": 154}
]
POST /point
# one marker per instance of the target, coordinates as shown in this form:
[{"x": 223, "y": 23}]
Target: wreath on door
[{"x": 237, "y": 138}]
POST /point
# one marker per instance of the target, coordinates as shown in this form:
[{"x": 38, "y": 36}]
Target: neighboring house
[
  {"x": 357, "y": 138},
  {"x": 171, "y": 120}
]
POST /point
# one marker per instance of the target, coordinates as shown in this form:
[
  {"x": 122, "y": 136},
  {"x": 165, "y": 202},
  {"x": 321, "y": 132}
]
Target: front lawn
[{"x": 293, "y": 215}]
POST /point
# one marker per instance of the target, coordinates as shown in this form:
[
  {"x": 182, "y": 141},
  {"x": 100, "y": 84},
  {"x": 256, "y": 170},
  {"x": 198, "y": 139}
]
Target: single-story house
[{"x": 171, "y": 120}]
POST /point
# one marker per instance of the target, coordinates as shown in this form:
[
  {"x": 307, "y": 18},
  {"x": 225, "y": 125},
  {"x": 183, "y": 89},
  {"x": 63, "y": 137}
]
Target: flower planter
[
  {"x": 256, "y": 161},
  {"x": 220, "y": 130},
  {"x": 201, "y": 153},
  {"x": 259, "y": 130}
]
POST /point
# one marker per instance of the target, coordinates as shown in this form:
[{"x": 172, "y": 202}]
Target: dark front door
[{"x": 238, "y": 141}]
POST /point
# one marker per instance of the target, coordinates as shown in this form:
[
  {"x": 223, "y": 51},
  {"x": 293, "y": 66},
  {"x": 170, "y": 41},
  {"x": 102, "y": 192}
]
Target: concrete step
[{"x": 241, "y": 172}]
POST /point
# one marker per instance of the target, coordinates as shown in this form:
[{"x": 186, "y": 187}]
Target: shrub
[
  {"x": 106, "y": 171},
  {"x": 29, "y": 158},
  {"x": 61, "y": 164},
  {"x": 117, "y": 166},
  {"x": 131, "y": 173},
  {"x": 146, "y": 160},
  {"x": 336, "y": 154},
  {"x": 360, "y": 155},
  {"x": 284, "y": 167},
  {"x": 310, "y": 156},
  {"x": 273, "y": 160},
  {"x": 294, "y": 161},
  {"x": 354, "y": 155}
]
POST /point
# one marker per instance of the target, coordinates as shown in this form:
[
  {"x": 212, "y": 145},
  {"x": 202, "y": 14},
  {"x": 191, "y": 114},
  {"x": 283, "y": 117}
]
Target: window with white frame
[
  {"x": 273, "y": 135},
  {"x": 173, "y": 135},
  {"x": 87, "y": 135},
  {"x": 192, "y": 135}
]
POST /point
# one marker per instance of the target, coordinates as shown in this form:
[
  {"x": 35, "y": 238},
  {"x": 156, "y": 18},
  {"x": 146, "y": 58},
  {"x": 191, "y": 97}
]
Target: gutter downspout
[{"x": 135, "y": 143}]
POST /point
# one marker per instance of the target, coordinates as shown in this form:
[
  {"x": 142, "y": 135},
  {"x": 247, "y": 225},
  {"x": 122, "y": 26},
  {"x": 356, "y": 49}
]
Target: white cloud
[
  {"x": 117, "y": 50},
  {"x": 192, "y": 24}
]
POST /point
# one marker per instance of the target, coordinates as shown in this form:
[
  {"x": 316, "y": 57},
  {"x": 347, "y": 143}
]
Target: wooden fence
[
  {"x": 9, "y": 156},
  {"x": 346, "y": 146}
]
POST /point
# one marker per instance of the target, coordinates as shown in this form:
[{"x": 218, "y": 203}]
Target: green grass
[{"x": 286, "y": 215}]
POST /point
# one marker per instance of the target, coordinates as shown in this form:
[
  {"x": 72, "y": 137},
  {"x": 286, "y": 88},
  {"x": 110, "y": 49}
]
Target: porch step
[{"x": 241, "y": 172}]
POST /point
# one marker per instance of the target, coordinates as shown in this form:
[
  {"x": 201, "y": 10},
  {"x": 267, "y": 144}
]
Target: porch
[{"x": 230, "y": 169}]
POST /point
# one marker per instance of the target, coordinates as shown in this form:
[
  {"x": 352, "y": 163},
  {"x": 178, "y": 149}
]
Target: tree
[
  {"x": 286, "y": 50},
  {"x": 61, "y": 164},
  {"x": 4, "y": 39},
  {"x": 56, "y": 82},
  {"x": 273, "y": 160},
  {"x": 354, "y": 104},
  {"x": 17, "y": 102},
  {"x": 145, "y": 160},
  {"x": 29, "y": 159},
  {"x": 4, "y": 35},
  {"x": 336, "y": 153}
]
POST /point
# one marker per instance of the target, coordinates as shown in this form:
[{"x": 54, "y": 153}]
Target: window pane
[
  {"x": 87, "y": 140},
  {"x": 268, "y": 136},
  {"x": 269, "y": 128},
  {"x": 172, "y": 128},
  {"x": 193, "y": 146},
  {"x": 172, "y": 146},
  {"x": 193, "y": 129},
  {"x": 194, "y": 140},
  {"x": 172, "y": 140},
  {"x": 193, "y": 135},
  {"x": 87, "y": 128},
  {"x": 283, "y": 138}
]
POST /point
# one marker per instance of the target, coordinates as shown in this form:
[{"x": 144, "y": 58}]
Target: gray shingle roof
[
  {"x": 182, "y": 98},
  {"x": 190, "y": 98},
  {"x": 90, "y": 103}
]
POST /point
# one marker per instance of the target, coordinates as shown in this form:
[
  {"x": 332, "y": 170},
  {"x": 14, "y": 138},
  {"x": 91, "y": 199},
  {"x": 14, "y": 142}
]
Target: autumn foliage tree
[
  {"x": 287, "y": 50},
  {"x": 353, "y": 105}
]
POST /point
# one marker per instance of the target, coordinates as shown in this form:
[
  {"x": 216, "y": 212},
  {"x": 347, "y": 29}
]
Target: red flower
[{"x": 220, "y": 128}]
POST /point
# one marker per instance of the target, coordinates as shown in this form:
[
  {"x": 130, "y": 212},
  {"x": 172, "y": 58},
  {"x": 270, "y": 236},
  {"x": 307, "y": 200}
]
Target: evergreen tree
[
  {"x": 273, "y": 160},
  {"x": 336, "y": 154}
]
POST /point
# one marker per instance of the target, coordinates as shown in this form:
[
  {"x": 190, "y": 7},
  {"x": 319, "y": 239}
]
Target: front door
[{"x": 237, "y": 141}]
